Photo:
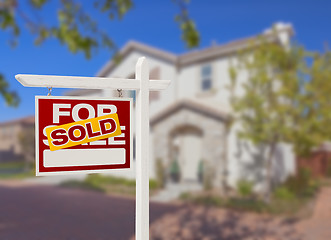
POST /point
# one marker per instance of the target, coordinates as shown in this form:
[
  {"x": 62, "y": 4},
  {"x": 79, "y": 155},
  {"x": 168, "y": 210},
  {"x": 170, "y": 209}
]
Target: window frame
[{"x": 206, "y": 78}]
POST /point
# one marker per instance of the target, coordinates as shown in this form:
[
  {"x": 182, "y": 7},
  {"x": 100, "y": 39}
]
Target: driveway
[{"x": 48, "y": 212}]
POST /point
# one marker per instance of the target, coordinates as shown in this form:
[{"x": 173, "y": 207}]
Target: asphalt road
[{"x": 53, "y": 213}]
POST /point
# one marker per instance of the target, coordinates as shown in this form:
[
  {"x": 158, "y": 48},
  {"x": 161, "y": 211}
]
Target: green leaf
[{"x": 11, "y": 97}]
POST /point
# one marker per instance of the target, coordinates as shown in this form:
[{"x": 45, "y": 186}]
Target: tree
[
  {"x": 285, "y": 98},
  {"x": 75, "y": 27}
]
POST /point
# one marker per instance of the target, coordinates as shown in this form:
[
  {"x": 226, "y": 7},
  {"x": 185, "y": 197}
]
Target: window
[
  {"x": 206, "y": 79},
  {"x": 132, "y": 94}
]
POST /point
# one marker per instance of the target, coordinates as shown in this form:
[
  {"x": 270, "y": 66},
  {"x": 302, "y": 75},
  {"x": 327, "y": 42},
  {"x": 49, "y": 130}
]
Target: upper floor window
[{"x": 206, "y": 77}]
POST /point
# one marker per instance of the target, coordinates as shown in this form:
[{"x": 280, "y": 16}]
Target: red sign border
[{"x": 110, "y": 168}]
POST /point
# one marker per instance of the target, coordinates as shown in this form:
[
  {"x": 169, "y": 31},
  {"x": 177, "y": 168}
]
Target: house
[
  {"x": 10, "y": 134},
  {"x": 188, "y": 120}
]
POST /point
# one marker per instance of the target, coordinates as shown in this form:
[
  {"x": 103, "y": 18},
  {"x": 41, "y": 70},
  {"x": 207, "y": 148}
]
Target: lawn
[
  {"x": 15, "y": 170},
  {"x": 109, "y": 185}
]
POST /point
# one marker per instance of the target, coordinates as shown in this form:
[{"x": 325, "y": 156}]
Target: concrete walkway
[{"x": 173, "y": 191}]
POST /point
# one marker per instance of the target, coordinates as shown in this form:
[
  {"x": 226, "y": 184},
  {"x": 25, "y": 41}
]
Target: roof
[
  {"x": 196, "y": 55},
  {"x": 29, "y": 120},
  {"x": 204, "y": 109}
]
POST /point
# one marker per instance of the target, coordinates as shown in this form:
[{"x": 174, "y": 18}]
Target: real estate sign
[
  {"x": 84, "y": 135},
  {"x": 92, "y": 135}
]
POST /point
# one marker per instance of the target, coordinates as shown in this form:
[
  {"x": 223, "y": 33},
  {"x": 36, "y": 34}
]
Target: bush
[
  {"x": 201, "y": 171},
  {"x": 247, "y": 205},
  {"x": 328, "y": 170},
  {"x": 160, "y": 173},
  {"x": 299, "y": 182},
  {"x": 175, "y": 171},
  {"x": 208, "y": 176},
  {"x": 185, "y": 196},
  {"x": 302, "y": 185},
  {"x": 283, "y": 193},
  {"x": 276, "y": 206},
  {"x": 153, "y": 184},
  {"x": 210, "y": 200},
  {"x": 245, "y": 188}
]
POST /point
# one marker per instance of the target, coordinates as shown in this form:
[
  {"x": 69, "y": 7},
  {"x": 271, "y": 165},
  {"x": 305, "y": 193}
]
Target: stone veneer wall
[{"x": 212, "y": 137}]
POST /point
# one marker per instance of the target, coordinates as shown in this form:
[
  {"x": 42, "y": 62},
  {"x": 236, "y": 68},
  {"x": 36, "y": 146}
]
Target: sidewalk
[{"x": 54, "y": 180}]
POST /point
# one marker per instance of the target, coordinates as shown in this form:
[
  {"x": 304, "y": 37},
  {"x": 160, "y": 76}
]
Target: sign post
[
  {"x": 142, "y": 157},
  {"x": 142, "y": 84}
]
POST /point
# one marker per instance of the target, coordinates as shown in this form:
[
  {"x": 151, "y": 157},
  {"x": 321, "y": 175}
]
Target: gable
[{"x": 130, "y": 52}]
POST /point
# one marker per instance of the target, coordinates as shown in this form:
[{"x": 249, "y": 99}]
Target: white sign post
[{"x": 142, "y": 84}]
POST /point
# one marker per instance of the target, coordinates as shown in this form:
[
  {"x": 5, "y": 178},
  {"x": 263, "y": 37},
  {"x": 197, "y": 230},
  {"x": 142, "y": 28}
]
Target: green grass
[
  {"x": 81, "y": 185},
  {"x": 15, "y": 170},
  {"x": 12, "y": 165},
  {"x": 20, "y": 175},
  {"x": 109, "y": 184}
]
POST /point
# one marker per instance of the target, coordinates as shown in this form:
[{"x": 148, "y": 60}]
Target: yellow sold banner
[{"x": 80, "y": 132}]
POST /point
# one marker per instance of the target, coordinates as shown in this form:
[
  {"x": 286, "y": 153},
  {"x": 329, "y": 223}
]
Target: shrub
[
  {"x": 210, "y": 200},
  {"x": 283, "y": 193},
  {"x": 160, "y": 173},
  {"x": 247, "y": 205},
  {"x": 175, "y": 171},
  {"x": 302, "y": 184},
  {"x": 208, "y": 176},
  {"x": 201, "y": 171},
  {"x": 328, "y": 169},
  {"x": 153, "y": 184},
  {"x": 185, "y": 196},
  {"x": 245, "y": 188}
]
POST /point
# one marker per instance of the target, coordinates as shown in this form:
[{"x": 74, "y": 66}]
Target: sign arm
[{"x": 87, "y": 82}]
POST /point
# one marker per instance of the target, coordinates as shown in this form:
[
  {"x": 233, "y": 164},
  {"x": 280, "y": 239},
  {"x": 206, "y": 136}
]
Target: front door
[{"x": 190, "y": 156}]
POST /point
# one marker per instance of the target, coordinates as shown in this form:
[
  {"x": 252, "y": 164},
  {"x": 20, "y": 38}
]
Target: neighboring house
[{"x": 10, "y": 147}]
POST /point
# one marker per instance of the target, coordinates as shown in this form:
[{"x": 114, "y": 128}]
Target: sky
[{"x": 152, "y": 23}]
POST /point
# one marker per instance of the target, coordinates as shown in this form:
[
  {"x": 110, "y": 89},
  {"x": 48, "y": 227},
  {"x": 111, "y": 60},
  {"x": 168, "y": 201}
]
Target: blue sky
[{"x": 152, "y": 22}]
